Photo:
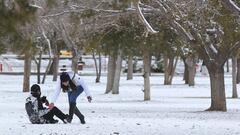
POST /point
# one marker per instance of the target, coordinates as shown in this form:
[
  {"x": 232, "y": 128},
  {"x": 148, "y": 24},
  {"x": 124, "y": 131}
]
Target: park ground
[{"x": 173, "y": 110}]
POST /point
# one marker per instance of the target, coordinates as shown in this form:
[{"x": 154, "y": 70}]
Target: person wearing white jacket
[{"x": 74, "y": 85}]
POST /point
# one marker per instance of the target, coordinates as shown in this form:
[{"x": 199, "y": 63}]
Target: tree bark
[
  {"x": 100, "y": 67},
  {"x": 110, "y": 73},
  {"x": 27, "y": 72},
  {"x": 39, "y": 67},
  {"x": 218, "y": 99},
  {"x": 173, "y": 69},
  {"x": 49, "y": 43},
  {"x": 234, "y": 78},
  {"x": 146, "y": 75},
  {"x": 227, "y": 65},
  {"x": 97, "y": 67},
  {"x": 115, "y": 89},
  {"x": 169, "y": 70},
  {"x": 191, "y": 70},
  {"x": 130, "y": 68},
  {"x": 55, "y": 66},
  {"x": 166, "y": 70},
  {"x": 75, "y": 58},
  {"x": 186, "y": 73},
  {"x": 47, "y": 70},
  {"x": 238, "y": 70}
]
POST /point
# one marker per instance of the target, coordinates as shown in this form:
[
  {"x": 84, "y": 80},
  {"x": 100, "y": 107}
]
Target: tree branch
[
  {"x": 231, "y": 5},
  {"x": 142, "y": 18}
]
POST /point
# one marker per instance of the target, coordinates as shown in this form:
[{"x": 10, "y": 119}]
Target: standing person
[
  {"x": 74, "y": 85},
  {"x": 37, "y": 113}
]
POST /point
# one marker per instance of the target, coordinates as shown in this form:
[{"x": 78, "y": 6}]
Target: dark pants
[{"x": 54, "y": 111}]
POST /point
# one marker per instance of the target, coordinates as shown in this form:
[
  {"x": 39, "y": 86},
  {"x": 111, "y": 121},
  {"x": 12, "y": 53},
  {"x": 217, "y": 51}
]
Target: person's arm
[
  {"x": 85, "y": 87},
  {"x": 55, "y": 95},
  {"x": 86, "y": 90}
]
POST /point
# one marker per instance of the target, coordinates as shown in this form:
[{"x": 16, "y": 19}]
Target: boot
[
  {"x": 80, "y": 116},
  {"x": 53, "y": 121},
  {"x": 71, "y": 110},
  {"x": 59, "y": 114},
  {"x": 65, "y": 120}
]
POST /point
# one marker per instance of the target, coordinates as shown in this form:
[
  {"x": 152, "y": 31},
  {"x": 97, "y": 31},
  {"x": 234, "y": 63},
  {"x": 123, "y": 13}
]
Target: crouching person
[{"x": 37, "y": 113}]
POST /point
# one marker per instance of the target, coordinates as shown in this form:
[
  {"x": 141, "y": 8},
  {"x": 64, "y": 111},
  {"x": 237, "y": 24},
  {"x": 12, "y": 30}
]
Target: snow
[{"x": 173, "y": 110}]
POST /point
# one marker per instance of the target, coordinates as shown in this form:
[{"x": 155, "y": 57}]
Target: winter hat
[
  {"x": 35, "y": 90},
  {"x": 64, "y": 77}
]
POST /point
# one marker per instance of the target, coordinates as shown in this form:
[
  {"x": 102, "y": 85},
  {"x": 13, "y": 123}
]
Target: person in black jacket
[{"x": 37, "y": 113}]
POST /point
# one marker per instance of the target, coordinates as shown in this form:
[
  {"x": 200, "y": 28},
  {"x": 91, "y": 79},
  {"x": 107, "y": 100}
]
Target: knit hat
[
  {"x": 35, "y": 90},
  {"x": 64, "y": 77}
]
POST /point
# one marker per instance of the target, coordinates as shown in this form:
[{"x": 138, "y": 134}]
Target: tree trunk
[
  {"x": 27, "y": 72},
  {"x": 100, "y": 67},
  {"x": 55, "y": 66},
  {"x": 49, "y": 43},
  {"x": 69, "y": 42},
  {"x": 238, "y": 70},
  {"x": 166, "y": 70},
  {"x": 227, "y": 66},
  {"x": 111, "y": 72},
  {"x": 130, "y": 68},
  {"x": 97, "y": 66},
  {"x": 169, "y": 70},
  {"x": 47, "y": 70},
  {"x": 173, "y": 69},
  {"x": 218, "y": 99},
  {"x": 75, "y": 58},
  {"x": 146, "y": 75},
  {"x": 234, "y": 78},
  {"x": 186, "y": 73},
  {"x": 117, "y": 76},
  {"x": 39, "y": 68},
  {"x": 191, "y": 70},
  {"x": 150, "y": 64}
]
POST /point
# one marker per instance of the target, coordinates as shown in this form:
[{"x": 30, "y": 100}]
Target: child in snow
[{"x": 37, "y": 113}]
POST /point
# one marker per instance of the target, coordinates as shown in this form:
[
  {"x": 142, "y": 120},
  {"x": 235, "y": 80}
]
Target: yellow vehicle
[{"x": 65, "y": 53}]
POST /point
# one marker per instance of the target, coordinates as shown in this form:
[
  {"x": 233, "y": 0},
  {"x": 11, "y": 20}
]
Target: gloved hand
[
  {"x": 43, "y": 99},
  {"x": 89, "y": 99}
]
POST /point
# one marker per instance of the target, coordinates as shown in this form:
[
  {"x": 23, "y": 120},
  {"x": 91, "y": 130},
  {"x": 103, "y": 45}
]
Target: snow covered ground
[{"x": 173, "y": 110}]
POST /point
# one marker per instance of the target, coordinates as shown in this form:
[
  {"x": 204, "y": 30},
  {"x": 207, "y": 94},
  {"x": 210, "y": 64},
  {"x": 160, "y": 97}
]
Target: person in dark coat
[{"x": 37, "y": 113}]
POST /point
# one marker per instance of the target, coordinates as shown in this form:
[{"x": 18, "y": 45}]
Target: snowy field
[{"x": 173, "y": 110}]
